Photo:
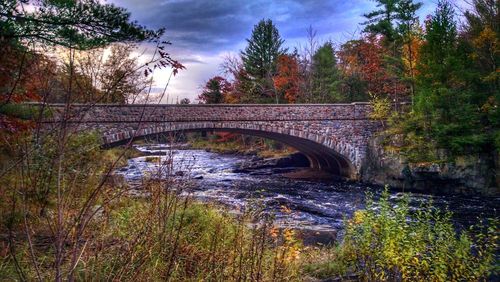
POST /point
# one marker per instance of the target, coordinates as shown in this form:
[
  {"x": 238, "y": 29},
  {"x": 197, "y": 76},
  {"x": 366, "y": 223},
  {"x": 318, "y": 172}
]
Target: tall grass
[{"x": 92, "y": 228}]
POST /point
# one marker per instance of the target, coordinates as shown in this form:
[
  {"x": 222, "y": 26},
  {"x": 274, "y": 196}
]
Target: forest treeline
[
  {"x": 446, "y": 68},
  {"x": 447, "y": 72}
]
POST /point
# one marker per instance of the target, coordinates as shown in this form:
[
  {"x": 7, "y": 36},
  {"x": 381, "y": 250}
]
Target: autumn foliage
[
  {"x": 364, "y": 58},
  {"x": 288, "y": 79}
]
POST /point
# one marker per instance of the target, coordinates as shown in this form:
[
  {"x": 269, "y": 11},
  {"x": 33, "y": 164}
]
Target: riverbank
[
  {"x": 265, "y": 157},
  {"x": 472, "y": 175},
  {"x": 236, "y": 145}
]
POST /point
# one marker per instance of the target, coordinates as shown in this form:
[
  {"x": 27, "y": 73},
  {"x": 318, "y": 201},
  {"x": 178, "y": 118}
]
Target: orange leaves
[
  {"x": 225, "y": 136},
  {"x": 288, "y": 77},
  {"x": 410, "y": 55},
  {"x": 367, "y": 58}
]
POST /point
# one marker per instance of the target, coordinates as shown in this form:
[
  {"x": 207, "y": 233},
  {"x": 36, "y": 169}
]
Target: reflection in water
[{"x": 319, "y": 206}]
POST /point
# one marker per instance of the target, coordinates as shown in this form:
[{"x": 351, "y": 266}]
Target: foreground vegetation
[
  {"x": 94, "y": 229},
  {"x": 87, "y": 226},
  {"x": 388, "y": 242}
]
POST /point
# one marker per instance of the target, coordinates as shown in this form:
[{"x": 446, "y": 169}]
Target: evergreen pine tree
[
  {"x": 263, "y": 50},
  {"x": 260, "y": 58},
  {"x": 443, "y": 100},
  {"x": 325, "y": 75}
]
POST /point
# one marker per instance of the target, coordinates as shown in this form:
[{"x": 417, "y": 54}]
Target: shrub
[
  {"x": 386, "y": 242},
  {"x": 23, "y": 111}
]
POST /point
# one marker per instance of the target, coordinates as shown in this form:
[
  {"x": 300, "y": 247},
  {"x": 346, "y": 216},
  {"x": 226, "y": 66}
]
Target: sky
[{"x": 203, "y": 32}]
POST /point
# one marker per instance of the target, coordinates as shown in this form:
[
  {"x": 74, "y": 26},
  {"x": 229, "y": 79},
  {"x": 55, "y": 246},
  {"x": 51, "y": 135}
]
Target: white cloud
[{"x": 188, "y": 82}]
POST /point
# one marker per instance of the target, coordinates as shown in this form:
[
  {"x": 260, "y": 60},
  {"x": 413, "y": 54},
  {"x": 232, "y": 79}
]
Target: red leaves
[
  {"x": 288, "y": 77},
  {"x": 367, "y": 58},
  {"x": 13, "y": 125},
  {"x": 164, "y": 61}
]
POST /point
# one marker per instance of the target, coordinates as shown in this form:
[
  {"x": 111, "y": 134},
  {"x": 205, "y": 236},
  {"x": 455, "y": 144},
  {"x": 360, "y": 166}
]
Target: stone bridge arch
[
  {"x": 334, "y": 137},
  {"x": 320, "y": 157}
]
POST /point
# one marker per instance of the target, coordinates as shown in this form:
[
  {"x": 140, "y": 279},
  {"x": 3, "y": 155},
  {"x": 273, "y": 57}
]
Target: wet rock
[
  {"x": 470, "y": 175},
  {"x": 317, "y": 237},
  {"x": 180, "y": 173},
  {"x": 267, "y": 172},
  {"x": 283, "y": 170},
  {"x": 293, "y": 160},
  {"x": 198, "y": 177}
]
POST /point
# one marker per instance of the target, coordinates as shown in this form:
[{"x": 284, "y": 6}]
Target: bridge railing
[{"x": 207, "y": 112}]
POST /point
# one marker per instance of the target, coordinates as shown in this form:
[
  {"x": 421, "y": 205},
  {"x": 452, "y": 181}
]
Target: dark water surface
[{"x": 314, "y": 205}]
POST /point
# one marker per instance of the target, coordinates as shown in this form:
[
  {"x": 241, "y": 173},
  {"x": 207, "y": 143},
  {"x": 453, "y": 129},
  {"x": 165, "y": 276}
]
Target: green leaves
[
  {"x": 264, "y": 47},
  {"x": 83, "y": 24},
  {"x": 325, "y": 74}
]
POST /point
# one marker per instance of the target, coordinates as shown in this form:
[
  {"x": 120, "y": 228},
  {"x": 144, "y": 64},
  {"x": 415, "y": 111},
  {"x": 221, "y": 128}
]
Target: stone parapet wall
[{"x": 157, "y": 113}]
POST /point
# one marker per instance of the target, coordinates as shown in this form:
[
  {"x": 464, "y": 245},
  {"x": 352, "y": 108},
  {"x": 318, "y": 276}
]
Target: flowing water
[{"x": 315, "y": 206}]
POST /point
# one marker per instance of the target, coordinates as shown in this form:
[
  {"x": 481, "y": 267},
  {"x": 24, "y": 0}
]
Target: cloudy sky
[{"x": 203, "y": 32}]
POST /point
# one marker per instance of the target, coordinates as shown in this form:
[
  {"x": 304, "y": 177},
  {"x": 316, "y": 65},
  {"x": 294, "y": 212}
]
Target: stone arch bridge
[{"x": 334, "y": 137}]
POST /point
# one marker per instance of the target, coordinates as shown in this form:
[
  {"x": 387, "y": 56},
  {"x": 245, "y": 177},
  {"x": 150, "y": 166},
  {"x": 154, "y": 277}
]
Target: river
[{"x": 315, "y": 206}]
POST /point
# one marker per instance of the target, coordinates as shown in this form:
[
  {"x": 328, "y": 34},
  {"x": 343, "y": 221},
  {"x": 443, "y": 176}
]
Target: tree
[
  {"x": 482, "y": 32},
  {"x": 481, "y": 38},
  {"x": 352, "y": 86},
  {"x": 185, "y": 101},
  {"x": 96, "y": 78},
  {"x": 408, "y": 35},
  {"x": 79, "y": 24},
  {"x": 306, "y": 61},
  {"x": 444, "y": 103},
  {"x": 260, "y": 58},
  {"x": 325, "y": 75},
  {"x": 75, "y": 24},
  {"x": 381, "y": 20},
  {"x": 397, "y": 23},
  {"x": 121, "y": 77},
  {"x": 215, "y": 91},
  {"x": 362, "y": 64},
  {"x": 263, "y": 50},
  {"x": 287, "y": 80}
]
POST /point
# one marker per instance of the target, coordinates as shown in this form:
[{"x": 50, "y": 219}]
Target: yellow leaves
[
  {"x": 381, "y": 107},
  {"x": 486, "y": 46},
  {"x": 285, "y": 209},
  {"x": 289, "y": 235},
  {"x": 410, "y": 54},
  {"x": 486, "y": 39},
  {"x": 359, "y": 216},
  {"x": 293, "y": 254}
]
